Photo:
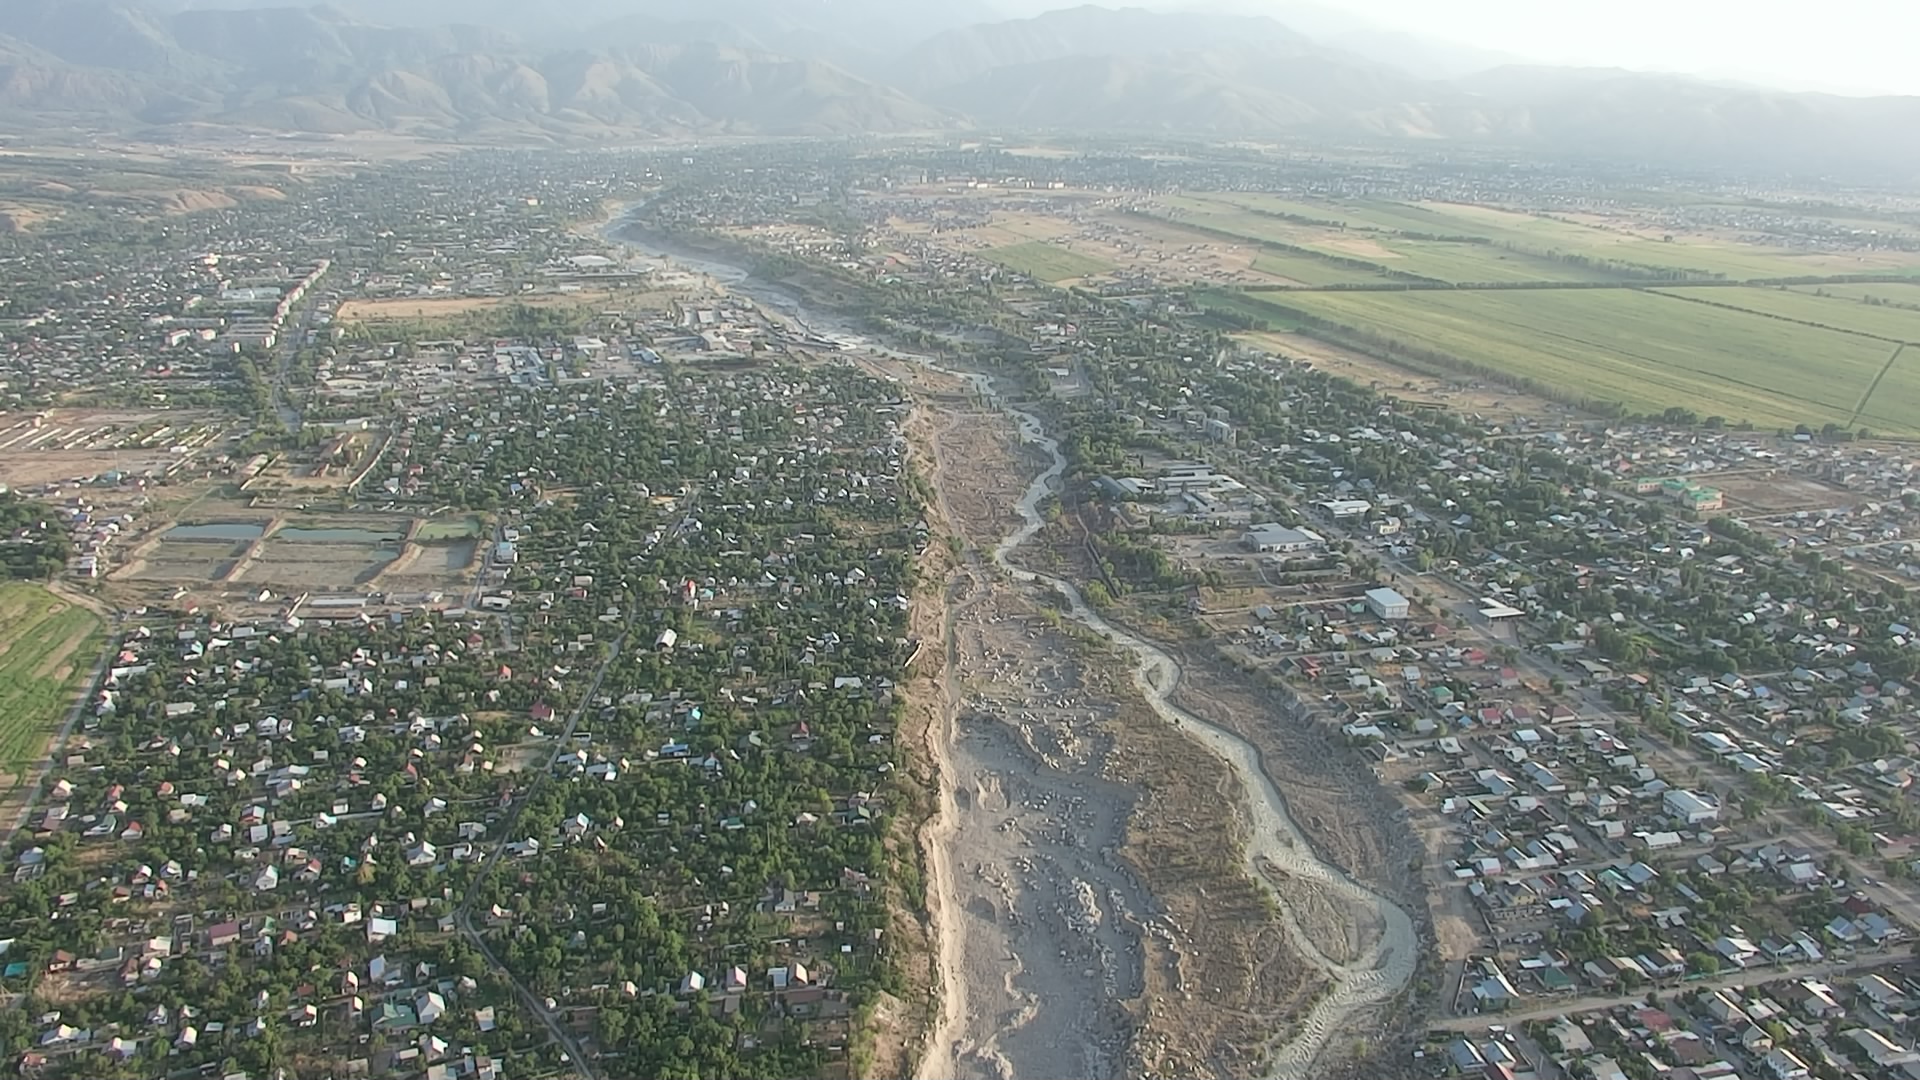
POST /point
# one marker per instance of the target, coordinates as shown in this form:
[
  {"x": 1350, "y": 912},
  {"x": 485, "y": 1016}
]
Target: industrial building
[
  {"x": 1388, "y": 604},
  {"x": 1274, "y": 538}
]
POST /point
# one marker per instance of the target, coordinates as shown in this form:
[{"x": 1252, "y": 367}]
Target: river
[{"x": 1276, "y": 843}]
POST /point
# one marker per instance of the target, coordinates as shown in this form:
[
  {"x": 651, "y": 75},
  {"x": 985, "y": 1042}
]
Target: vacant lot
[
  {"x": 1047, "y": 262},
  {"x": 1647, "y": 352},
  {"x": 65, "y": 444},
  {"x": 46, "y": 646}
]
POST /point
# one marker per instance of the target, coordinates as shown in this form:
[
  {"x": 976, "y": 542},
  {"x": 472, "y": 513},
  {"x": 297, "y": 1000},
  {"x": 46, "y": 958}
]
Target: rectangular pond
[{"x": 216, "y": 531}]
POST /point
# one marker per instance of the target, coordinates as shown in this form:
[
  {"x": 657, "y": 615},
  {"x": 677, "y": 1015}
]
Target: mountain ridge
[{"x": 639, "y": 69}]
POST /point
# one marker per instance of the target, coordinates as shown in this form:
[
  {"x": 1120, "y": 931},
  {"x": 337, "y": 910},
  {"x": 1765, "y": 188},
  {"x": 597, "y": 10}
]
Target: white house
[{"x": 1781, "y": 1064}]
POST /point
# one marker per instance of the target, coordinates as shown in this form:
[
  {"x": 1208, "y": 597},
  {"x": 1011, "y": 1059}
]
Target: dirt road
[{"x": 1750, "y": 977}]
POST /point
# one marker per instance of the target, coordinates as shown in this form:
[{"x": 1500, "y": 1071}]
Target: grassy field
[
  {"x": 1479, "y": 264},
  {"x": 1647, "y": 352},
  {"x": 1374, "y": 225},
  {"x": 1896, "y": 324},
  {"x": 1047, "y": 262},
  {"x": 1309, "y": 271},
  {"x": 1247, "y": 304},
  {"x": 1736, "y": 261},
  {"x": 46, "y": 647},
  {"x": 459, "y": 528},
  {"x": 1454, "y": 263},
  {"x": 1892, "y": 294}
]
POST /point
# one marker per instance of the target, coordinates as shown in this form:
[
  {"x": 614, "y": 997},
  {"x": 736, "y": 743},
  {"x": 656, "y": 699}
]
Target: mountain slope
[
  {"x": 593, "y": 70},
  {"x": 1668, "y": 117},
  {"x": 956, "y": 56},
  {"x": 119, "y": 63},
  {"x": 1124, "y": 94}
]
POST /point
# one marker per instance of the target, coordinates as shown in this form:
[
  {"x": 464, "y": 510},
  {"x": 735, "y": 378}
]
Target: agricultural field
[
  {"x": 1685, "y": 251},
  {"x": 1248, "y": 305},
  {"x": 1449, "y": 262},
  {"x": 1371, "y": 228},
  {"x": 1479, "y": 264},
  {"x": 46, "y": 646},
  {"x": 1308, "y": 271},
  {"x": 1047, "y": 262},
  {"x": 1901, "y": 294},
  {"x": 1648, "y": 353},
  {"x": 1854, "y": 316}
]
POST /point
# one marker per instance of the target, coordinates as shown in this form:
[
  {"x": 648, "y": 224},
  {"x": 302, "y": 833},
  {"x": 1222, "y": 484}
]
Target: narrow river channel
[{"x": 1276, "y": 846}]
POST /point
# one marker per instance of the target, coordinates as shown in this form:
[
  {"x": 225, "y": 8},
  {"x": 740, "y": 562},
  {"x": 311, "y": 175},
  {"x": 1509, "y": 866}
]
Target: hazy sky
[{"x": 1844, "y": 46}]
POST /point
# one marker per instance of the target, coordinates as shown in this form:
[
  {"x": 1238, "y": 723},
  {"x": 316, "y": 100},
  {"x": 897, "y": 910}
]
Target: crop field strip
[
  {"x": 1902, "y": 295},
  {"x": 1248, "y": 305},
  {"x": 1898, "y": 327},
  {"x": 1047, "y": 262},
  {"x": 1744, "y": 353},
  {"x": 1626, "y": 346},
  {"x": 1310, "y": 272},
  {"x": 1397, "y": 236},
  {"x": 46, "y": 645},
  {"x": 1890, "y": 324},
  {"x": 1406, "y": 243}
]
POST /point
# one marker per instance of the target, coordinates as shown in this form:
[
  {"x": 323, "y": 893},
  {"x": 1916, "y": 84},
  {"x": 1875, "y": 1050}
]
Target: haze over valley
[{"x": 636, "y": 69}]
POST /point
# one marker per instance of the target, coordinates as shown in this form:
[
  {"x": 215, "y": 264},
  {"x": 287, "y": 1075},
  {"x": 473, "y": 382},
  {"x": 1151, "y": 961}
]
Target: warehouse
[
  {"x": 1278, "y": 539},
  {"x": 1388, "y": 604}
]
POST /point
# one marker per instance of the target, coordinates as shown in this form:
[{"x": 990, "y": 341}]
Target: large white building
[
  {"x": 1346, "y": 508},
  {"x": 1689, "y": 807},
  {"x": 1273, "y": 538},
  {"x": 1388, "y": 604}
]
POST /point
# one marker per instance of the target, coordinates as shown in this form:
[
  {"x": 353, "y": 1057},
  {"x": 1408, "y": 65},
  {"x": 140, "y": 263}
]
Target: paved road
[
  {"x": 463, "y": 916},
  {"x": 284, "y": 355}
]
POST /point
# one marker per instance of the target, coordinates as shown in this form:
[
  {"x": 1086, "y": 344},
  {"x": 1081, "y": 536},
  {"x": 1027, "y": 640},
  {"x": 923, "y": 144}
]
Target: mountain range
[{"x": 510, "y": 71}]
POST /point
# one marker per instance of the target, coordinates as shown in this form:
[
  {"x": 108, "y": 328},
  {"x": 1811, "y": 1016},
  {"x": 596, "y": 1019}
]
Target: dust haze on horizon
[{"x": 1852, "y": 47}]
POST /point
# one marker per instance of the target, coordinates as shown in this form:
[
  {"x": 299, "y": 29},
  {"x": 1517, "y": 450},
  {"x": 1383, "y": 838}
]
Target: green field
[
  {"x": 1275, "y": 204},
  {"x": 1892, "y": 294},
  {"x": 1896, "y": 324},
  {"x": 1310, "y": 271},
  {"x": 1647, "y": 352},
  {"x": 47, "y": 646},
  {"x": 1247, "y": 304},
  {"x": 1047, "y": 262},
  {"x": 460, "y": 528},
  {"x": 1373, "y": 223},
  {"x": 1454, "y": 263},
  {"x": 1733, "y": 260},
  {"x": 1478, "y": 264}
]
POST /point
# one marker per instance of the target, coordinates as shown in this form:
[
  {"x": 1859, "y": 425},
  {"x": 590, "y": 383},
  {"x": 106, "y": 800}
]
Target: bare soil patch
[{"x": 1780, "y": 492}]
